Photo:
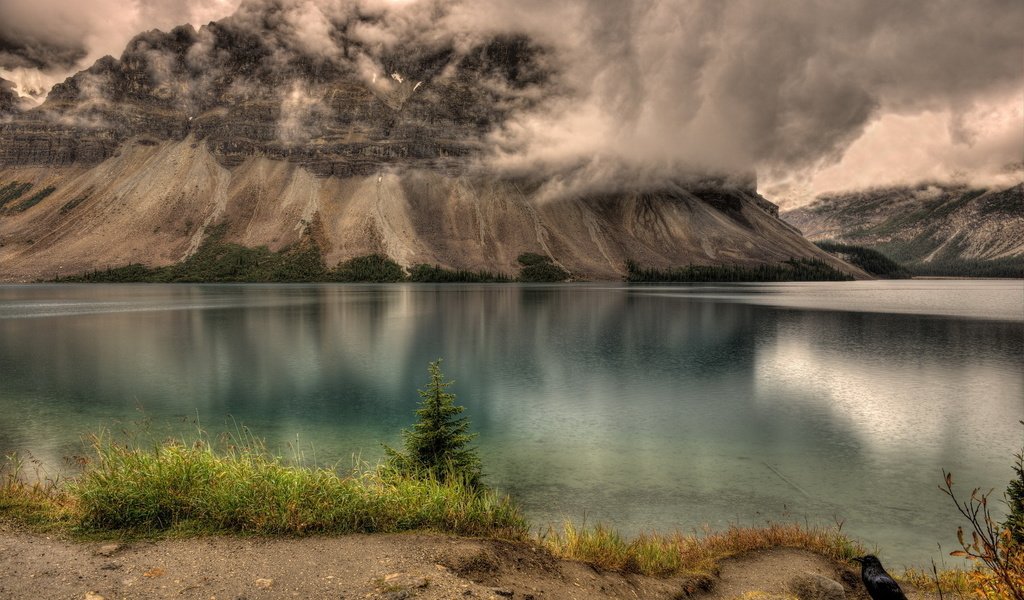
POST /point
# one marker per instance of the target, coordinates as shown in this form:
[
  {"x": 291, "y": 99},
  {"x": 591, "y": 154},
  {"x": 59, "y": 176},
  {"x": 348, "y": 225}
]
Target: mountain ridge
[
  {"x": 937, "y": 229},
  {"x": 134, "y": 159}
]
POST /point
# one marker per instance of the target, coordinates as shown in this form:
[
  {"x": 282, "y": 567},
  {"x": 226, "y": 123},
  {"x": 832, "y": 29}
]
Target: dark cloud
[
  {"x": 40, "y": 35},
  {"x": 639, "y": 89},
  {"x": 781, "y": 85},
  {"x": 19, "y": 52},
  {"x": 56, "y": 35}
]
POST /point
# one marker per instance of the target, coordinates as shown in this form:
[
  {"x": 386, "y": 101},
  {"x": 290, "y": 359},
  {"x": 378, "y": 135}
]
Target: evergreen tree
[
  {"x": 438, "y": 444},
  {"x": 1015, "y": 499}
]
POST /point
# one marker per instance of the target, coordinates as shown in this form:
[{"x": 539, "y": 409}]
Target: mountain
[
  {"x": 9, "y": 101},
  {"x": 933, "y": 229},
  {"x": 238, "y": 128}
]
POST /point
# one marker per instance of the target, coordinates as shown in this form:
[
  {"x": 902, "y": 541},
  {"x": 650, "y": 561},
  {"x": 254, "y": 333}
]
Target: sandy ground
[{"x": 394, "y": 567}]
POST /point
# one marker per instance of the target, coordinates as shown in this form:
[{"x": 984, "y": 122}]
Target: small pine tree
[
  {"x": 438, "y": 444},
  {"x": 1015, "y": 499}
]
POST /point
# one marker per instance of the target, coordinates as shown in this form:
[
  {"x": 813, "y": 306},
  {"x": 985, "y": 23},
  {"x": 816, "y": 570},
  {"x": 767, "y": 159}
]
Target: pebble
[{"x": 264, "y": 583}]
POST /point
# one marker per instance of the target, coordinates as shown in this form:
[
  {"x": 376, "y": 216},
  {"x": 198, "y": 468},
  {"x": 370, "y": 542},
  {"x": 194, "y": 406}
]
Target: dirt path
[{"x": 394, "y": 567}]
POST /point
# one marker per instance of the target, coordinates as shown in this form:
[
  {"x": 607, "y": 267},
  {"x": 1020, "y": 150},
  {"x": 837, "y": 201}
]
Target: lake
[{"x": 664, "y": 407}]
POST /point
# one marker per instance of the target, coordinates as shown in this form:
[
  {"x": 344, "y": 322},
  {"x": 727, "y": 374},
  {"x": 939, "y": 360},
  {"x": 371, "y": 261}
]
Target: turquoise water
[{"x": 647, "y": 407}]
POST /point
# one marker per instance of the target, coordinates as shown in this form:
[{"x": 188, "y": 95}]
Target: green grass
[
  {"x": 194, "y": 487},
  {"x": 794, "y": 269},
  {"x": 183, "y": 488},
  {"x": 197, "y": 487}
]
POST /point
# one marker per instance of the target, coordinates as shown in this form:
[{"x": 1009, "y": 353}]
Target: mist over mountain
[
  {"x": 648, "y": 119},
  {"x": 636, "y": 90}
]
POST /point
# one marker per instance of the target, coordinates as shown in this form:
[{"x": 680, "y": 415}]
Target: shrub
[
  {"x": 990, "y": 545},
  {"x": 438, "y": 444}
]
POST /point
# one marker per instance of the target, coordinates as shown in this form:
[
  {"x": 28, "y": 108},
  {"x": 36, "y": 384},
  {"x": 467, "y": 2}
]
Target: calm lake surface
[{"x": 647, "y": 407}]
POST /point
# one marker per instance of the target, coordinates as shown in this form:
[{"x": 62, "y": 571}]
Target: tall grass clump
[
  {"x": 243, "y": 488},
  {"x": 29, "y": 495},
  {"x": 599, "y": 546}
]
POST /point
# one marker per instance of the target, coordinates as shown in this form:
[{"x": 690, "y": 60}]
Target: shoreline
[{"x": 427, "y": 566}]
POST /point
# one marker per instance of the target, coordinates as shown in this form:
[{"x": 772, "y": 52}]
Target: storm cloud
[{"x": 645, "y": 89}]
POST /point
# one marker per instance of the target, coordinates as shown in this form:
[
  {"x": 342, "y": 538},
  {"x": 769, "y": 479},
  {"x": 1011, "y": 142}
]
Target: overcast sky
[{"x": 818, "y": 95}]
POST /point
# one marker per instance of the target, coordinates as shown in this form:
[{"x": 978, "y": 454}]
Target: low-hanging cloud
[
  {"x": 781, "y": 86},
  {"x": 44, "y": 41},
  {"x": 647, "y": 89}
]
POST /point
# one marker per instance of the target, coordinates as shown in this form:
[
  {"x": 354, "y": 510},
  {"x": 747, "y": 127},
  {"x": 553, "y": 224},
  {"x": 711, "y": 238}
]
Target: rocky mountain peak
[
  {"x": 247, "y": 89},
  {"x": 371, "y": 137}
]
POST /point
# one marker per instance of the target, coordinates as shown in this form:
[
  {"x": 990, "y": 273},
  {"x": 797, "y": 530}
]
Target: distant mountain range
[
  {"x": 235, "y": 129},
  {"x": 931, "y": 229}
]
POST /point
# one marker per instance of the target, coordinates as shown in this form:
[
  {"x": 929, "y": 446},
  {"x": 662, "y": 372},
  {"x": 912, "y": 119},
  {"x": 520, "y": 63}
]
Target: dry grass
[
  {"x": 956, "y": 583},
  {"x": 33, "y": 498},
  {"x": 665, "y": 555}
]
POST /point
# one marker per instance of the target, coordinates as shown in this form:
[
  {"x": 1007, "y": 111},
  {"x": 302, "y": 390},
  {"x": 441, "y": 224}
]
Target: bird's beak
[{"x": 858, "y": 559}]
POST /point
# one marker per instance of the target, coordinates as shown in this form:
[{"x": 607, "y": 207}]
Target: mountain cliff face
[
  {"x": 135, "y": 159},
  {"x": 8, "y": 98},
  {"x": 937, "y": 229}
]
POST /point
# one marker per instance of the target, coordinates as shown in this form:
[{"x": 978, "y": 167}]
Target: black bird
[{"x": 879, "y": 584}]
